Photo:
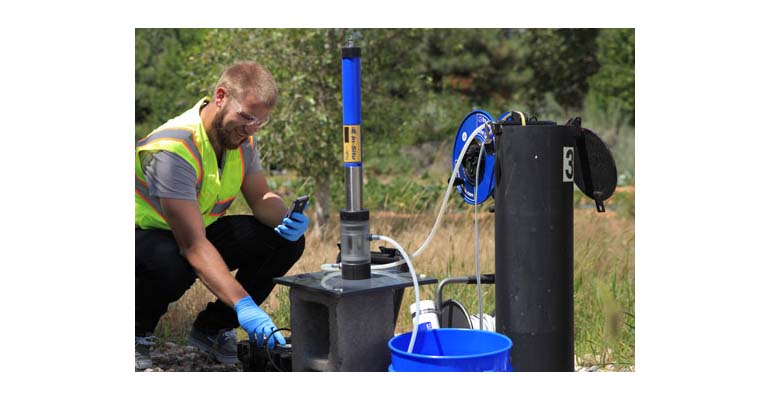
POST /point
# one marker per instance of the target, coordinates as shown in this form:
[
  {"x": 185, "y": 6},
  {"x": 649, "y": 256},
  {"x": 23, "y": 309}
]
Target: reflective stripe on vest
[
  {"x": 183, "y": 136},
  {"x": 140, "y": 188},
  {"x": 221, "y": 206}
]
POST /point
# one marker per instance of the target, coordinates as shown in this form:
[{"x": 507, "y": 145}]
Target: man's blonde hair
[{"x": 250, "y": 78}]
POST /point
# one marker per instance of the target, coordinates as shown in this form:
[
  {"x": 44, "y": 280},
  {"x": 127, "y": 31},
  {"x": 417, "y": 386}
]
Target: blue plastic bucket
[{"x": 451, "y": 350}]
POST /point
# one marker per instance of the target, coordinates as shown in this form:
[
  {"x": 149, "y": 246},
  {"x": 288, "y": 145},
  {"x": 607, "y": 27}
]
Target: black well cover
[{"x": 595, "y": 172}]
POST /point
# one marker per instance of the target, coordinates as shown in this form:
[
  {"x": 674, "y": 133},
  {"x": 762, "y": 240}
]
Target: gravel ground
[{"x": 169, "y": 357}]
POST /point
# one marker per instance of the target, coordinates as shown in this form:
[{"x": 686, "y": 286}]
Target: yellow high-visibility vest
[{"x": 186, "y": 137}]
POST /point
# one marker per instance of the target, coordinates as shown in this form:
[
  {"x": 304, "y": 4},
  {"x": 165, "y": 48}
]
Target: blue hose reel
[{"x": 467, "y": 172}]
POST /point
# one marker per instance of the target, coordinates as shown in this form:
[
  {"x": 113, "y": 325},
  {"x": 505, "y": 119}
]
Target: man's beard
[{"x": 229, "y": 137}]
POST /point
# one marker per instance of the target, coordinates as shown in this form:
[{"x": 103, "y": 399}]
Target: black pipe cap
[{"x": 351, "y": 52}]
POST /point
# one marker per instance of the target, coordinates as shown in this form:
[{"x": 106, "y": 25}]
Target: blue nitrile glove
[
  {"x": 292, "y": 228},
  {"x": 257, "y": 323}
]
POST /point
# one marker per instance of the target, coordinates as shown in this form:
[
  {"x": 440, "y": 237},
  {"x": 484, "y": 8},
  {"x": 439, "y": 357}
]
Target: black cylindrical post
[{"x": 534, "y": 244}]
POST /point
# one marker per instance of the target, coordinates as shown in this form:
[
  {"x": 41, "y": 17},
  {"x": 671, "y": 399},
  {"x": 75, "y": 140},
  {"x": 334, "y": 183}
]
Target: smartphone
[{"x": 298, "y": 205}]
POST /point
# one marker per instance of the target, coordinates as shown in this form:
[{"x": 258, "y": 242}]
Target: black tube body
[{"x": 534, "y": 246}]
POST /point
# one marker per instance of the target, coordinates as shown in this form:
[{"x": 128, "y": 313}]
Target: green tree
[
  {"x": 159, "y": 87},
  {"x": 500, "y": 69},
  {"x": 467, "y": 69},
  {"x": 474, "y": 62},
  {"x": 561, "y": 61},
  {"x": 613, "y": 84},
  {"x": 306, "y": 133}
]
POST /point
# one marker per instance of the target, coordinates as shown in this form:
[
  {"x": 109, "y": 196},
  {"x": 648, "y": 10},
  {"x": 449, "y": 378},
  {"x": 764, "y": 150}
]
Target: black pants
[{"x": 162, "y": 275}]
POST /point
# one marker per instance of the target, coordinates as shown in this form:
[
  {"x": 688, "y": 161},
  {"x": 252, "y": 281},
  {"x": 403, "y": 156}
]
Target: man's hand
[
  {"x": 257, "y": 323},
  {"x": 293, "y": 227}
]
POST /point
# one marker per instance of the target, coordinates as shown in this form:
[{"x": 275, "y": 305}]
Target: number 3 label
[{"x": 568, "y": 173}]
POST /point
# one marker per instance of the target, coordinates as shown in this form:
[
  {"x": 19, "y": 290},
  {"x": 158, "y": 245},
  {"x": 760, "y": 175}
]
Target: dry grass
[{"x": 604, "y": 275}]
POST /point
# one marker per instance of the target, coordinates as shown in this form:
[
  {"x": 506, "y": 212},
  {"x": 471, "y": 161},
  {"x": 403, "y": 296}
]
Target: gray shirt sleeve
[
  {"x": 253, "y": 163},
  {"x": 169, "y": 176}
]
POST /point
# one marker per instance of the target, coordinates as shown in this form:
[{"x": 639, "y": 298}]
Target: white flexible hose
[
  {"x": 450, "y": 185},
  {"x": 476, "y": 237},
  {"x": 416, "y": 321},
  {"x": 330, "y": 267}
]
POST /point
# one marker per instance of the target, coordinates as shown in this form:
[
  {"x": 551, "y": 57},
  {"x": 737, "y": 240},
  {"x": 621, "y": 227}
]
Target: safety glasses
[{"x": 250, "y": 119}]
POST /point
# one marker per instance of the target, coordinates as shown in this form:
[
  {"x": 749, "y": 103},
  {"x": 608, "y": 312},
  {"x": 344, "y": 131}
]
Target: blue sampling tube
[{"x": 354, "y": 218}]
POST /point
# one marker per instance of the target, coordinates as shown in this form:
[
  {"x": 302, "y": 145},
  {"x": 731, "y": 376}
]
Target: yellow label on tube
[{"x": 351, "y": 143}]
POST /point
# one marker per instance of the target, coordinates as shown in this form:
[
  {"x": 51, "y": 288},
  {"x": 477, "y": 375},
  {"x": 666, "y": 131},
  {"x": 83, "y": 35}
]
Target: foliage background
[{"x": 417, "y": 85}]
